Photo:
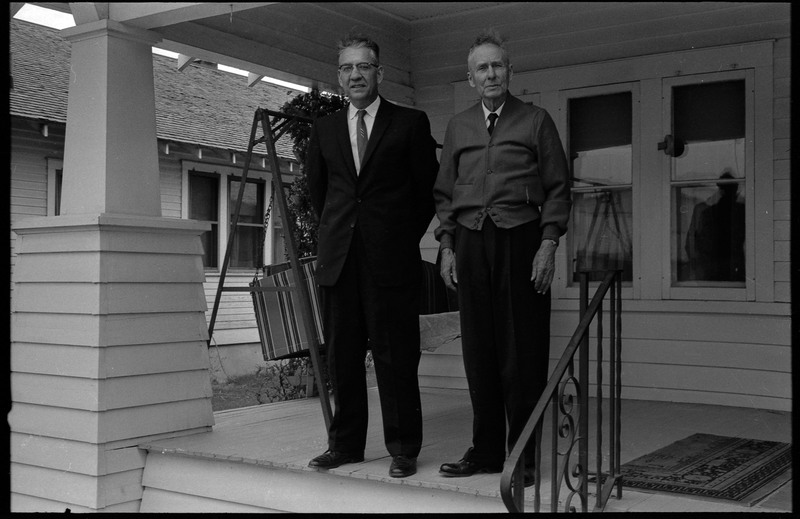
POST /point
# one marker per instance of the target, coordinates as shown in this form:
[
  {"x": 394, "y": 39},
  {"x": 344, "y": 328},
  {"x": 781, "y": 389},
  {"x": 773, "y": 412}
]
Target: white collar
[
  {"x": 372, "y": 109},
  {"x": 486, "y": 111}
]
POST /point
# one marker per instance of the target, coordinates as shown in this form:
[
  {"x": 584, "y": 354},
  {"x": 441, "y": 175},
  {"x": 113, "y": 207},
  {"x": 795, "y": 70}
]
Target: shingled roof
[{"x": 198, "y": 106}]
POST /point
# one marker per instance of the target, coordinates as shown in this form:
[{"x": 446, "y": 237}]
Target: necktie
[
  {"x": 492, "y": 118},
  {"x": 361, "y": 137}
]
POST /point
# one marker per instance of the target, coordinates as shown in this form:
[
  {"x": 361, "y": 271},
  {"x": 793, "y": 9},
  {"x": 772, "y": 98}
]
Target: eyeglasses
[{"x": 363, "y": 68}]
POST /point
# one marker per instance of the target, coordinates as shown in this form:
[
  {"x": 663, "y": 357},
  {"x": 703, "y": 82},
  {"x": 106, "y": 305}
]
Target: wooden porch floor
[{"x": 286, "y": 435}]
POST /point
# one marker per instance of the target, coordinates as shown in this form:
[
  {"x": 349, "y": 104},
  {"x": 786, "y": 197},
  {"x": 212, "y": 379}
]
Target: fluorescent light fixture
[
  {"x": 43, "y": 16},
  {"x": 286, "y": 84},
  {"x": 234, "y": 70},
  {"x": 167, "y": 53}
]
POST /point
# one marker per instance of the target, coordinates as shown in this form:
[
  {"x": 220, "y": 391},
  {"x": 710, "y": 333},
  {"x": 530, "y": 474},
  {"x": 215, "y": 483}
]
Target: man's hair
[
  {"x": 355, "y": 39},
  {"x": 489, "y": 36}
]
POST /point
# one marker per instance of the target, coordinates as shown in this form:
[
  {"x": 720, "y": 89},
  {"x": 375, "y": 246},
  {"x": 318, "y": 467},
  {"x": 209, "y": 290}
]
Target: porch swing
[{"x": 285, "y": 297}]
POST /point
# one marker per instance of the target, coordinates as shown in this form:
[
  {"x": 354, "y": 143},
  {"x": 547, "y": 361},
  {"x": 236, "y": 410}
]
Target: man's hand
[
  {"x": 544, "y": 266},
  {"x": 448, "y": 269}
]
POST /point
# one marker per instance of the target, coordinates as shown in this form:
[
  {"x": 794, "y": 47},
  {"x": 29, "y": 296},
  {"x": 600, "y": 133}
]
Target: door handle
[{"x": 672, "y": 146}]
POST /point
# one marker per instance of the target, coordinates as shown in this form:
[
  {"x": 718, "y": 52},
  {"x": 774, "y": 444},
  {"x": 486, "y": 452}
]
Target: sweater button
[{"x": 488, "y": 171}]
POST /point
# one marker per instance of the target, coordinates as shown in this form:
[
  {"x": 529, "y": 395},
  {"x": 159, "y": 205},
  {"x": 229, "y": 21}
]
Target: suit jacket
[{"x": 390, "y": 202}]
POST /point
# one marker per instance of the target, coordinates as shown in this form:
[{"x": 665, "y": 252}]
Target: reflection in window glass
[
  {"x": 602, "y": 232},
  {"x": 602, "y": 167},
  {"x": 708, "y": 234},
  {"x": 600, "y": 150},
  {"x": 706, "y": 160}
]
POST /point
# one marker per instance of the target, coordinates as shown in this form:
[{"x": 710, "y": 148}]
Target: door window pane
[
  {"x": 600, "y": 151},
  {"x": 203, "y": 206},
  {"x": 708, "y": 210}
]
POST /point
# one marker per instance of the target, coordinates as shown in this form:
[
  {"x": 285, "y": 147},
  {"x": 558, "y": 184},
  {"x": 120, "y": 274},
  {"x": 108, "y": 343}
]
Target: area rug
[{"x": 713, "y": 467}]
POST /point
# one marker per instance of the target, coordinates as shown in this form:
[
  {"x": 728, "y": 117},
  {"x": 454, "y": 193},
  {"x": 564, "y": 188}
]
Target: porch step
[{"x": 184, "y": 483}]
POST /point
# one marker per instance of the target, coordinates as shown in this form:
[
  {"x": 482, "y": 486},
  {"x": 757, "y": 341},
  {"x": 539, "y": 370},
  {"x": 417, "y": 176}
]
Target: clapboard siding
[
  {"x": 120, "y": 361},
  {"x": 170, "y": 184},
  {"x": 115, "y": 392},
  {"x": 235, "y": 308},
  {"x": 111, "y": 426},
  {"x": 78, "y": 457},
  {"x": 782, "y": 191},
  {"x": 69, "y": 487},
  {"x": 731, "y": 354}
]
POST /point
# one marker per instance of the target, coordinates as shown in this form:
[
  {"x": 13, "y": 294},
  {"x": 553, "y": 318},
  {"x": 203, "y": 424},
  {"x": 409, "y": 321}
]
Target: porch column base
[{"x": 108, "y": 349}]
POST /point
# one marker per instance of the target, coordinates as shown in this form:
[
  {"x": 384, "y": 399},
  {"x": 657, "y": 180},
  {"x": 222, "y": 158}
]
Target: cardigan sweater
[{"x": 514, "y": 176}]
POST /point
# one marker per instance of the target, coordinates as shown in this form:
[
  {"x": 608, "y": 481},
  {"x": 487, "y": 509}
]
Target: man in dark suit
[
  {"x": 503, "y": 201},
  {"x": 371, "y": 169}
]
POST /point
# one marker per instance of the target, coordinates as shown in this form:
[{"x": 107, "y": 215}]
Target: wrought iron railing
[{"x": 569, "y": 394}]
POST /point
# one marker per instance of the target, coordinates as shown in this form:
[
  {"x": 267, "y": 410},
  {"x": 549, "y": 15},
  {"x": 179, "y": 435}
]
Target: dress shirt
[
  {"x": 486, "y": 113},
  {"x": 352, "y": 123}
]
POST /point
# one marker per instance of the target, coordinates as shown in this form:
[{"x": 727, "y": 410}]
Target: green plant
[
  {"x": 312, "y": 105},
  {"x": 285, "y": 380}
]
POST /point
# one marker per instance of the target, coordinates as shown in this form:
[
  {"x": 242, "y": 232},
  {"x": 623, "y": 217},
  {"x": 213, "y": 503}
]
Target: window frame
[
  {"x": 224, "y": 175},
  {"x": 264, "y": 204},
  {"x": 629, "y": 288},
  {"x": 717, "y": 293}
]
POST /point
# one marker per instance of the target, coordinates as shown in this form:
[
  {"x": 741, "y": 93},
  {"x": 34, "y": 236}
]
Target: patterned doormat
[{"x": 715, "y": 467}]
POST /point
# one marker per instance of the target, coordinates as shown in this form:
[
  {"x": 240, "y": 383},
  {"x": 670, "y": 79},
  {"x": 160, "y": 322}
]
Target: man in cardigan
[
  {"x": 503, "y": 201},
  {"x": 371, "y": 169}
]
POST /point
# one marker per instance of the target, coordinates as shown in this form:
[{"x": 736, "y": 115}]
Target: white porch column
[
  {"x": 108, "y": 320},
  {"x": 111, "y": 153}
]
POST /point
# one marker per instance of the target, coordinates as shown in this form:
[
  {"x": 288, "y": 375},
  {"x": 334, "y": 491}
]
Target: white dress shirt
[
  {"x": 486, "y": 113},
  {"x": 352, "y": 121}
]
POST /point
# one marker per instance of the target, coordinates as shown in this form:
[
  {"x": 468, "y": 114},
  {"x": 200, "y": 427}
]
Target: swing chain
[{"x": 264, "y": 230}]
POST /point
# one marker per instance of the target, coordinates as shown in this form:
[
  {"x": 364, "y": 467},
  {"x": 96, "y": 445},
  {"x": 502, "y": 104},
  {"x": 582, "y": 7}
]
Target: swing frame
[{"x": 272, "y": 130}]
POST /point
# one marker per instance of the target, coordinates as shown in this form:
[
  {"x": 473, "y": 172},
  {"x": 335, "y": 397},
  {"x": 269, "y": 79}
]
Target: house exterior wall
[{"x": 675, "y": 347}]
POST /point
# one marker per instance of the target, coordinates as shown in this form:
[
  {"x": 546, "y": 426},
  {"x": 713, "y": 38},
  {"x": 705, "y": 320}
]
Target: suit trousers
[
  {"x": 358, "y": 314},
  {"x": 505, "y": 328}
]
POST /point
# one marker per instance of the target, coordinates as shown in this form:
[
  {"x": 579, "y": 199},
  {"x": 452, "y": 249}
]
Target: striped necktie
[
  {"x": 492, "y": 118},
  {"x": 361, "y": 137}
]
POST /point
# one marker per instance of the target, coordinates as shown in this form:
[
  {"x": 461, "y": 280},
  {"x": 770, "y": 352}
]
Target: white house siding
[
  {"x": 29, "y": 153},
  {"x": 782, "y": 171},
  {"x": 705, "y": 351},
  {"x": 170, "y": 185}
]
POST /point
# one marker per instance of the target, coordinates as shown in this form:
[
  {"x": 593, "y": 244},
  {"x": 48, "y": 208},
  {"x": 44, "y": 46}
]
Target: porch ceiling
[{"x": 423, "y": 44}]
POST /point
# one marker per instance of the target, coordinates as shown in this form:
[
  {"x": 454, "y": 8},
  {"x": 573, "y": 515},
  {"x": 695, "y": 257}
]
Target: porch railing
[{"x": 569, "y": 394}]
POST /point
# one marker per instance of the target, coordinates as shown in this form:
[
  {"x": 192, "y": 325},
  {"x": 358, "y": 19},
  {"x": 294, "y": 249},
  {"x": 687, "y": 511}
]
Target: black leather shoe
[
  {"x": 402, "y": 467},
  {"x": 332, "y": 459},
  {"x": 464, "y": 468}
]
